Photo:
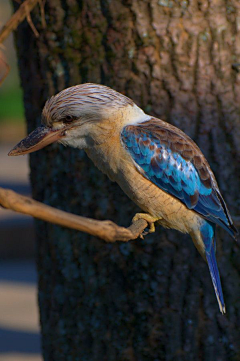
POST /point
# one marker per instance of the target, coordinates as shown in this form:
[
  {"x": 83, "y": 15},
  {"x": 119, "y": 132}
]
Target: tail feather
[
  {"x": 212, "y": 264},
  {"x": 208, "y": 237}
]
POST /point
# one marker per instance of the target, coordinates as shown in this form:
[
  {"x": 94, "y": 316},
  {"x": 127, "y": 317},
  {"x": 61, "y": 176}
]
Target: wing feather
[{"x": 171, "y": 160}]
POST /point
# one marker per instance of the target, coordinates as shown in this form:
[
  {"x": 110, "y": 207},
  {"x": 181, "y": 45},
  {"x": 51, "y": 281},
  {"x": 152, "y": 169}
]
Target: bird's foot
[{"x": 150, "y": 220}]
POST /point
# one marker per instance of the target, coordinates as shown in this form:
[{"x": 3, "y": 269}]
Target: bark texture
[{"x": 150, "y": 299}]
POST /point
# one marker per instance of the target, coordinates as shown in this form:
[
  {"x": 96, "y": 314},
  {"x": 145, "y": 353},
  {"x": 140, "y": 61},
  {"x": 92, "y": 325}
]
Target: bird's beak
[{"x": 36, "y": 140}]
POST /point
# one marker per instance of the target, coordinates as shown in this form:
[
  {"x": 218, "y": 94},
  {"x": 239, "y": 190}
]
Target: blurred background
[{"x": 19, "y": 330}]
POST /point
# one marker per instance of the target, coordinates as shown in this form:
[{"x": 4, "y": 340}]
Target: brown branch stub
[
  {"x": 4, "y": 68},
  {"x": 23, "y": 12},
  {"x": 106, "y": 230}
]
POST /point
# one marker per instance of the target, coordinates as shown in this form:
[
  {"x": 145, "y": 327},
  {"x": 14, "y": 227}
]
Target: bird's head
[{"x": 79, "y": 116}]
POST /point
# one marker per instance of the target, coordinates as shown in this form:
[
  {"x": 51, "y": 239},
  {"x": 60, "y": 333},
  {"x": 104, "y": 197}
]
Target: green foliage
[{"x": 11, "y": 105}]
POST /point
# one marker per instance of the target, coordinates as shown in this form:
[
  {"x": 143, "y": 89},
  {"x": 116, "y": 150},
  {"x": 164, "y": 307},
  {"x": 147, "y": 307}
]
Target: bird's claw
[
  {"x": 149, "y": 219},
  {"x": 144, "y": 233}
]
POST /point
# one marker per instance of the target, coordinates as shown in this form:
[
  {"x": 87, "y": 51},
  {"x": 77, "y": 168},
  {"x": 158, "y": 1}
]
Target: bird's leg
[{"x": 147, "y": 217}]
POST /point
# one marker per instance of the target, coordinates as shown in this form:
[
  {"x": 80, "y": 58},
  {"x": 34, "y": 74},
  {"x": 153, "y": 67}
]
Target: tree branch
[
  {"x": 107, "y": 230},
  {"x": 23, "y": 12}
]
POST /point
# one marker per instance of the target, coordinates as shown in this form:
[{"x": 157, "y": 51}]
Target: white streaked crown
[{"x": 95, "y": 112}]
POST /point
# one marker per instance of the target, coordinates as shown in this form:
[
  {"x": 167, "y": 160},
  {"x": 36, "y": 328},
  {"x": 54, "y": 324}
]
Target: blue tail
[{"x": 207, "y": 232}]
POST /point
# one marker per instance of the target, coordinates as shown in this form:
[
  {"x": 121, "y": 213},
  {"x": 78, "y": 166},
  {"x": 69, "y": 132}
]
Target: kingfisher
[{"x": 157, "y": 165}]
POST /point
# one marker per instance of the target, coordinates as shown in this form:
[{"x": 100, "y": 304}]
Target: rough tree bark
[{"x": 151, "y": 299}]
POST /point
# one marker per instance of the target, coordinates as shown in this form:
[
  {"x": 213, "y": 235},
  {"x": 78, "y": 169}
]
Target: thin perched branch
[
  {"x": 24, "y": 10},
  {"x": 107, "y": 230},
  {"x": 29, "y": 20},
  {"x": 42, "y": 4}
]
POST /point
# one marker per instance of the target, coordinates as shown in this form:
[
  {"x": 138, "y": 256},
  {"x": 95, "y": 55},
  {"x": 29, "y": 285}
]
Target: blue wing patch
[{"x": 168, "y": 169}]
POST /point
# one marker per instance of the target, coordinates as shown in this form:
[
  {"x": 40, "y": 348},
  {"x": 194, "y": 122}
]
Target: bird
[{"x": 156, "y": 164}]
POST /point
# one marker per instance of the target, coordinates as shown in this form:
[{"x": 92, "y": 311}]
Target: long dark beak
[{"x": 36, "y": 140}]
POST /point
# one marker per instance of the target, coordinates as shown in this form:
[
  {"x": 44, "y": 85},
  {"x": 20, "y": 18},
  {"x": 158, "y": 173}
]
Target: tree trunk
[{"x": 150, "y": 299}]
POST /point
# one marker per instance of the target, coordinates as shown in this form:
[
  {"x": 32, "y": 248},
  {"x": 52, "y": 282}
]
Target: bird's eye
[{"x": 68, "y": 119}]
